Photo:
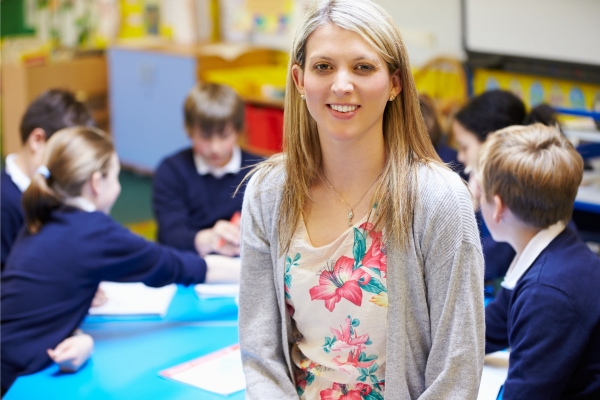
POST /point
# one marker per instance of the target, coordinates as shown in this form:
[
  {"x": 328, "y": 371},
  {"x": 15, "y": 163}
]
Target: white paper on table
[
  {"x": 214, "y": 290},
  {"x": 495, "y": 371},
  {"x": 134, "y": 299},
  {"x": 219, "y": 372}
]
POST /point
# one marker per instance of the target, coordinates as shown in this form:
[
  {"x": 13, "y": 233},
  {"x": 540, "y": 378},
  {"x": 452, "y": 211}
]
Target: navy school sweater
[
  {"x": 51, "y": 277},
  {"x": 12, "y": 217},
  {"x": 186, "y": 202},
  {"x": 551, "y": 322}
]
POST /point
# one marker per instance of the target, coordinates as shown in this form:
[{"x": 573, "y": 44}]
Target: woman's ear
[
  {"x": 396, "y": 83},
  {"x": 298, "y": 77}
]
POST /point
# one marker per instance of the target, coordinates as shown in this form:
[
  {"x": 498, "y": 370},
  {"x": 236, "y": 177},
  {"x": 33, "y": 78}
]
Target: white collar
[
  {"x": 16, "y": 175},
  {"x": 80, "y": 202},
  {"x": 233, "y": 165},
  {"x": 536, "y": 245}
]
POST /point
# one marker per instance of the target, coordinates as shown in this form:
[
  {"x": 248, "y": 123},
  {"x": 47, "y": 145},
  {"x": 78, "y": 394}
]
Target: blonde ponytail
[{"x": 71, "y": 156}]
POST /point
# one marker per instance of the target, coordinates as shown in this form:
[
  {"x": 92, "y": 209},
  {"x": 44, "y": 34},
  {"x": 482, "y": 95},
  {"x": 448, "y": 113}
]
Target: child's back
[{"x": 551, "y": 322}]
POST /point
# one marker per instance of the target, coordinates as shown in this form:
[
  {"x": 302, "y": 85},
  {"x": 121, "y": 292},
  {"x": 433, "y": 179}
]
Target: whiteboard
[{"x": 556, "y": 30}]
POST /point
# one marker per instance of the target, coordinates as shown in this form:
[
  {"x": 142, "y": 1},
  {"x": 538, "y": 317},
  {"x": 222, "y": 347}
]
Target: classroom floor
[{"x": 134, "y": 206}]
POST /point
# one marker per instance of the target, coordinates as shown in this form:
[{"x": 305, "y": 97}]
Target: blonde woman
[{"x": 362, "y": 273}]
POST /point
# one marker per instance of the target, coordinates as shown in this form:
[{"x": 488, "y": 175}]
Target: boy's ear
[
  {"x": 36, "y": 140},
  {"x": 499, "y": 208},
  {"x": 298, "y": 77}
]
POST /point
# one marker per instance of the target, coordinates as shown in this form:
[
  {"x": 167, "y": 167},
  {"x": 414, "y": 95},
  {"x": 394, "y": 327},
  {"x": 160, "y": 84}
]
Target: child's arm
[
  {"x": 496, "y": 327},
  {"x": 73, "y": 352},
  {"x": 122, "y": 256}
]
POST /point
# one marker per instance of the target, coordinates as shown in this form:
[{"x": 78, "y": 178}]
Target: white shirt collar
[
  {"x": 233, "y": 166},
  {"x": 536, "y": 245},
  {"x": 16, "y": 175},
  {"x": 80, "y": 202}
]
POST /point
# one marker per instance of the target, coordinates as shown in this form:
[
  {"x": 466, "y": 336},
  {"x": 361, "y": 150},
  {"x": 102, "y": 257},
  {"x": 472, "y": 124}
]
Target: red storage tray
[{"x": 264, "y": 127}]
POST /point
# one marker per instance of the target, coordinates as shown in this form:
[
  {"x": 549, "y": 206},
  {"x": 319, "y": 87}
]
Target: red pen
[{"x": 235, "y": 219}]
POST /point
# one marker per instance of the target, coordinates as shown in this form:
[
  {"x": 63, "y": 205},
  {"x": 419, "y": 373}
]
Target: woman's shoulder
[
  {"x": 444, "y": 200},
  {"x": 267, "y": 177},
  {"x": 438, "y": 182}
]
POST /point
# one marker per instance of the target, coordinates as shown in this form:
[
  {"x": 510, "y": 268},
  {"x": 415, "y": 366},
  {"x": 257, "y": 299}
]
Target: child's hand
[
  {"x": 71, "y": 353},
  {"x": 221, "y": 269},
  {"x": 223, "y": 238},
  {"x": 99, "y": 298}
]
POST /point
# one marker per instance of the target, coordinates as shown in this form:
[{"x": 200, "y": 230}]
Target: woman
[{"x": 361, "y": 264}]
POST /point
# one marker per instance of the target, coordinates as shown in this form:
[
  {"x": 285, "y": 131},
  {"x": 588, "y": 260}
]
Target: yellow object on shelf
[
  {"x": 257, "y": 81},
  {"x": 132, "y": 19}
]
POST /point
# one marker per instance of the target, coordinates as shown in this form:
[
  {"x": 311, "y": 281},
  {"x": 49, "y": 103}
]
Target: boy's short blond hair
[
  {"x": 534, "y": 169},
  {"x": 211, "y": 107}
]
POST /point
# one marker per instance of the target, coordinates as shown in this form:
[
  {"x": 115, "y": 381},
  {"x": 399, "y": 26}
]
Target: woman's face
[
  {"x": 468, "y": 144},
  {"x": 346, "y": 83}
]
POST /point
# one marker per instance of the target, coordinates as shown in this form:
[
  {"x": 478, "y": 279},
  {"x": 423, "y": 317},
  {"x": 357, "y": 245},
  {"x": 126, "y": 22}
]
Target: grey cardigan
[{"x": 435, "y": 318}]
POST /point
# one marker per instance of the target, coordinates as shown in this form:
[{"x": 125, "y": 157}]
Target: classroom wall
[{"x": 430, "y": 28}]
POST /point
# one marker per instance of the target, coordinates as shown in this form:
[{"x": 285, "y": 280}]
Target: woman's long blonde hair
[
  {"x": 71, "y": 156},
  {"x": 406, "y": 139}
]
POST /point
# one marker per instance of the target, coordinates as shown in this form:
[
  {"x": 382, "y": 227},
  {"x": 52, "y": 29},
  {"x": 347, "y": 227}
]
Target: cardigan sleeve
[
  {"x": 170, "y": 209},
  {"x": 260, "y": 322},
  {"x": 453, "y": 273}
]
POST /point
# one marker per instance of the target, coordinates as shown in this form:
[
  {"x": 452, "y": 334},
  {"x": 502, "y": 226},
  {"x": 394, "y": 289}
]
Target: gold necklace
[{"x": 350, "y": 212}]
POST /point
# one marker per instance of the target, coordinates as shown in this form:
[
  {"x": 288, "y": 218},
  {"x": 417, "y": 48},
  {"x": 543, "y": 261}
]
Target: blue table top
[{"x": 130, "y": 351}]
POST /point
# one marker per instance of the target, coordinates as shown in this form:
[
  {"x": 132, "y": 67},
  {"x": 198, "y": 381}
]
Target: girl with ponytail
[{"x": 68, "y": 246}]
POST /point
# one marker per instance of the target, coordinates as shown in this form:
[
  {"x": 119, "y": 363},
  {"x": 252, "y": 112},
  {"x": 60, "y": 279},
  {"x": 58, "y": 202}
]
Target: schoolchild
[
  {"x": 69, "y": 245},
  {"x": 548, "y": 310},
  {"x": 486, "y": 113},
  {"x": 51, "y": 111},
  {"x": 193, "y": 189}
]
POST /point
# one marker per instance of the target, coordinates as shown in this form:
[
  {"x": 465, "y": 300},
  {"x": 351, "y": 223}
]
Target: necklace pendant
[{"x": 350, "y": 215}]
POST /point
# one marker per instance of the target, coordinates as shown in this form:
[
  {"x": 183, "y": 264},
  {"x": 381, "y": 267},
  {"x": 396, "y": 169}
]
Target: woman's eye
[
  {"x": 321, "y": 67},
  {"x": 364, "y": 67}
]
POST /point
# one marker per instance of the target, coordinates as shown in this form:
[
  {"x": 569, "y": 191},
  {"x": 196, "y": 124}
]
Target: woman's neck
[{"x": 349, "y": 165}]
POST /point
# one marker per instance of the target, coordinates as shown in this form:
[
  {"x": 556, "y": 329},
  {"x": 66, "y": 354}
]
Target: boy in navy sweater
[
  {"x": 548, "y": 311},
  {"x": 51, "y": 111},
  {"x": 193, "y": 189}
]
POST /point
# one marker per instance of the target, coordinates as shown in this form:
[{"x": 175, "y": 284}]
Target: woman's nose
[{"x": 342, "y": 84}]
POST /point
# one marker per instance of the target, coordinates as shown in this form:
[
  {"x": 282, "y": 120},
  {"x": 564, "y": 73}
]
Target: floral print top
[{"x": 337, "y": 296}]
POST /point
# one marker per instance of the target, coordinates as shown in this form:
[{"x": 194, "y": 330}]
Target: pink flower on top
[
  {"x": 345, "y": 341},
  {"x": 375, "y": 257},
  {"x": 340, "y": 392},
  {"x": 340, "y": 281},
  {"x": 353, "y": 360}
]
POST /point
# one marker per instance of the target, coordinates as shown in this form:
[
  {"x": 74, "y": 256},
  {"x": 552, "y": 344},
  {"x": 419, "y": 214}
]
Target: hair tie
[{"x": 44, "y": 171}]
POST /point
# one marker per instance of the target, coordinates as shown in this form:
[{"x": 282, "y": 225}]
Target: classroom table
[{"x": 130, "y": 351}]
